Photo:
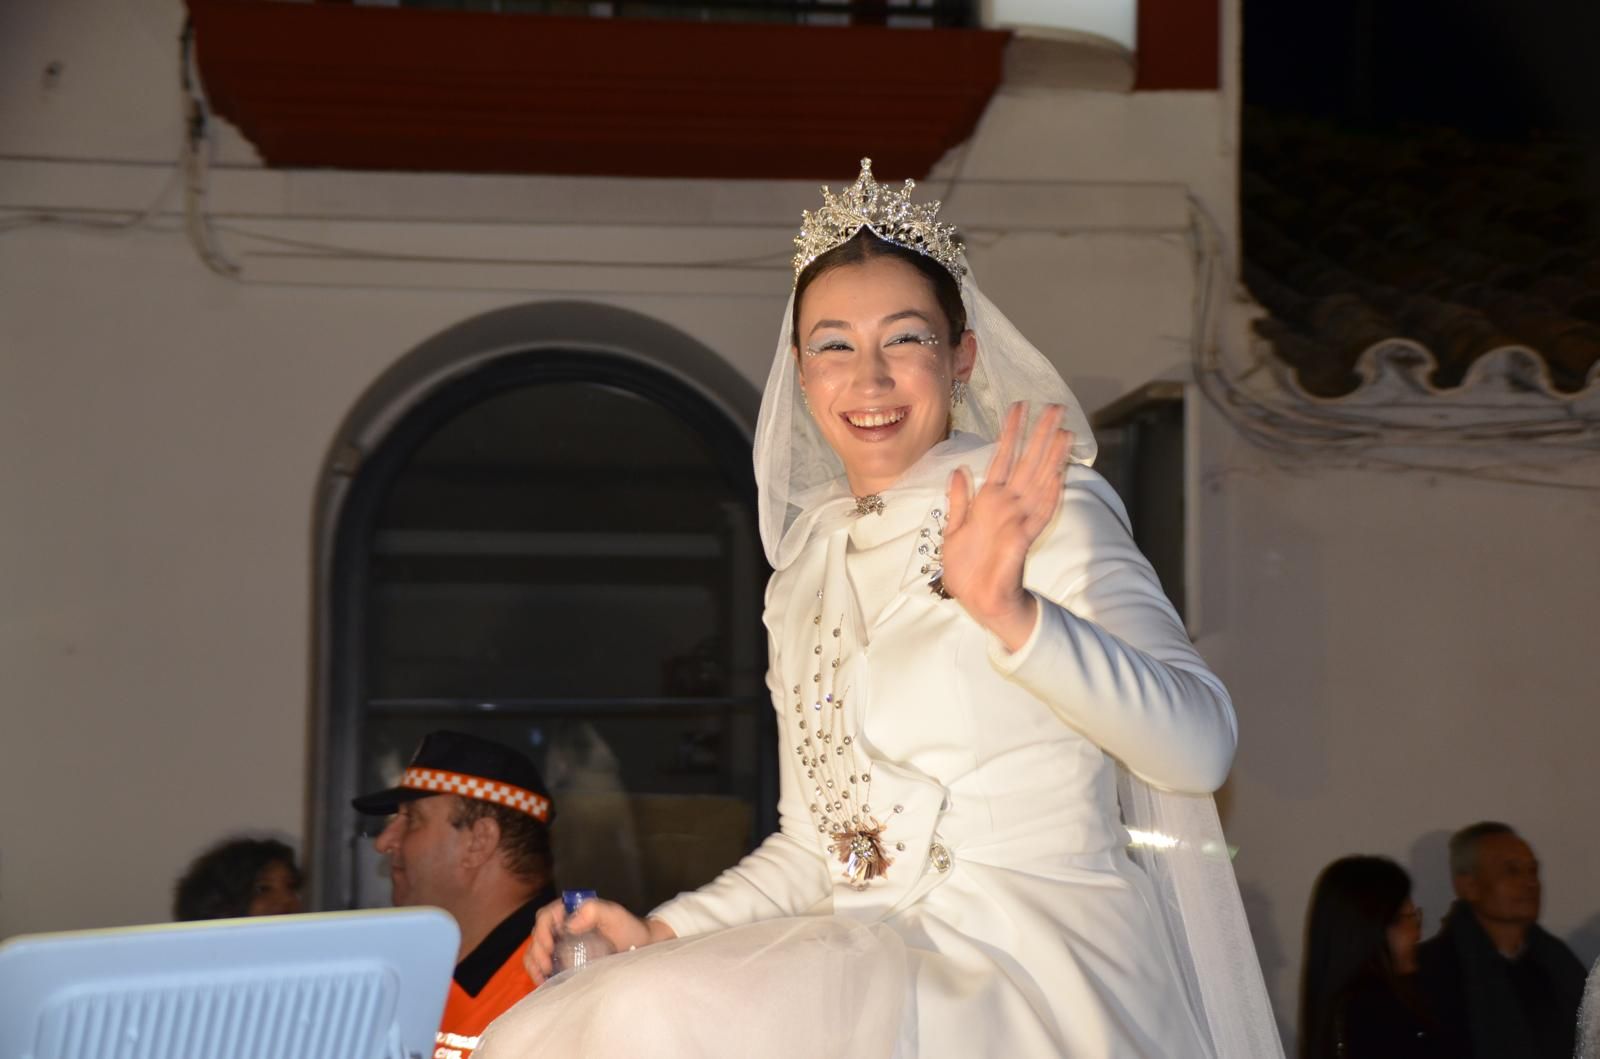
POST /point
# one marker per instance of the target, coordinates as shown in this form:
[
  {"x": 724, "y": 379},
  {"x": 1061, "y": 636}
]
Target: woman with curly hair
[{"x": 239, "y": 877}]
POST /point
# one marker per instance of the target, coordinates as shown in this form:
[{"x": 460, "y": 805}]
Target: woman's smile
[{"x": 876, "y": 423}]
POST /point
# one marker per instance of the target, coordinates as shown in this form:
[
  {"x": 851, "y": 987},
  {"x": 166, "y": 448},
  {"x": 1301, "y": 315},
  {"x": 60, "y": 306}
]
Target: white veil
[
  {"x": 1198, "y": 897},
  {"x": 792, "y": 460}
]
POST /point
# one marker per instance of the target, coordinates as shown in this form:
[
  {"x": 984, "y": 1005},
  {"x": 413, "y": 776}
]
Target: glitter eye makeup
[
  {"x": 921, "y": 338},
  {"x": 829, "y": 345},
  {"x": 839, "y": 345}
]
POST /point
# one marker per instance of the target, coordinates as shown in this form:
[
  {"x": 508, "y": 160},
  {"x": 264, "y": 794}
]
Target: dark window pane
[{"x": 569, "y": 564}]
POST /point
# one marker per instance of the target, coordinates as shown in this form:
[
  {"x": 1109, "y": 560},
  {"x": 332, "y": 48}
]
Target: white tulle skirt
[{"x": 804, "y": 987}]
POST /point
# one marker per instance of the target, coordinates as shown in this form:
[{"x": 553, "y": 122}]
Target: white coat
[{"x": 1035, "y": 934}]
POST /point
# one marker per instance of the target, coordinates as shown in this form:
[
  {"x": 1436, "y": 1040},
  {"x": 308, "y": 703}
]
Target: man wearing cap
[{"x": 470, "y": 833}]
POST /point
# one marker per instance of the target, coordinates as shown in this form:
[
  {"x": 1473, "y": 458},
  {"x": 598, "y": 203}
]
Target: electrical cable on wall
[
  {"x": 194, "y": 162},
  {"x": 138, "y": 219},
  {"x": 194, "y": 133}
]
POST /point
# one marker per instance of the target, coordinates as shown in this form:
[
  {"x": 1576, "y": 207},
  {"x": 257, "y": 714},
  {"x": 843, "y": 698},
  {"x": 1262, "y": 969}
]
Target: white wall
[{"x": 1407, "y": 654}]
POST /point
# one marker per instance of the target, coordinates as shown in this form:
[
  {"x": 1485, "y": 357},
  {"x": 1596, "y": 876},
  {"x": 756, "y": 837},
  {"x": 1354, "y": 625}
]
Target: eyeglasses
[{"x": 1415, "y": 914}]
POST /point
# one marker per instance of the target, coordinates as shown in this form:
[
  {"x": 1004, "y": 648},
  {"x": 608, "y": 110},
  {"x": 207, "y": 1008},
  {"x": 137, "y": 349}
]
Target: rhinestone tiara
[{"x": 887, "y": 213}]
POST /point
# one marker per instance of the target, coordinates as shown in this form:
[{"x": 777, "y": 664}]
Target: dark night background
[
  {"x": 1426, "y": 171},
  {"x": 1492, "y": 69}
]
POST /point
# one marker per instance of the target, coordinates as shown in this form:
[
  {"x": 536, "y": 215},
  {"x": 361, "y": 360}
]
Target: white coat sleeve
[
  {"x": 784, "y": 876},
  {"x": 1109, "y": 654}
]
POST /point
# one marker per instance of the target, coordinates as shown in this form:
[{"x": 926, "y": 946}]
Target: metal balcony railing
[{"x": 900, "y": 14}]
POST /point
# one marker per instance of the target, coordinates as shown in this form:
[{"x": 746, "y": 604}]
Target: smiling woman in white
[{"x": 978, "y": 683}]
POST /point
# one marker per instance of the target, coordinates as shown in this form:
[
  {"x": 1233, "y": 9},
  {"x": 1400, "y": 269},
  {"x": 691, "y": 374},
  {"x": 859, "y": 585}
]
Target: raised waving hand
[{"x": 987, "y": 537}]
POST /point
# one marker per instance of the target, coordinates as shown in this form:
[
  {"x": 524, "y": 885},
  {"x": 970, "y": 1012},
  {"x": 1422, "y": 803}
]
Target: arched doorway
[{"x": 547, "y": 537}]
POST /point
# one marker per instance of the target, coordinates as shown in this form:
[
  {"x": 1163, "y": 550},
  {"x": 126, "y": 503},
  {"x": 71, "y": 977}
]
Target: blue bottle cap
[{"x": 571, "y": 899}]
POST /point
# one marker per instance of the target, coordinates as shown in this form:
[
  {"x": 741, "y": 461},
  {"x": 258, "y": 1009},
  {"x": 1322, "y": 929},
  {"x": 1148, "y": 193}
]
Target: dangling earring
[
  {"x": 805, "y": 400},
  {"x": 958, "y": 394}
]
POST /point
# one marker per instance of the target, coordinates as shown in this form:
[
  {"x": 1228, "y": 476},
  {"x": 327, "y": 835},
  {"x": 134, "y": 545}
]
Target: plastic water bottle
[{"x": 578, "y": 950}]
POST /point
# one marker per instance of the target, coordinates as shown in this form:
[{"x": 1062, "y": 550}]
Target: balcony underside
[{"x": 317, "y": 85}]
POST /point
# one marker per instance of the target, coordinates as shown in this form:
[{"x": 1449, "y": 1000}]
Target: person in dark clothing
[
  {"x": 239, "y": 877},
  {"x": 1500, "y": 982},
  {"x": 1357, "y": 992}
]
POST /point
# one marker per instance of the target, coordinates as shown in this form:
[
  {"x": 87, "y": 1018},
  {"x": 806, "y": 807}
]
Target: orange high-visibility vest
[
  {"x": 467, "y": 1016},
  {"x": 495, "y": 969}
]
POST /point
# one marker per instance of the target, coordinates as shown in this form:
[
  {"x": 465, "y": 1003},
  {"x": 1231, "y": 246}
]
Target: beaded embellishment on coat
[
  {"x": 841, "y": 791},
  {"x": 861, "y": 853},
  {"x": 868, "y": 505},
  {"x": 931, "y": 547}
]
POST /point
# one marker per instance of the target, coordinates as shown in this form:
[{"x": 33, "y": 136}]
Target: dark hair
[
  {"x": 863, "y": 247},
  {"x": 524, "y": 841},
  {"x": 1353, "y": 904},
  {"x": 1464, "y": 844},
  {"x": 221, "y": 882}
]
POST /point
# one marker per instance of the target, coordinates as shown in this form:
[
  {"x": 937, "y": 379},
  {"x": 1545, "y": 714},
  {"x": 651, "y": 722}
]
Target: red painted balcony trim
[
  {"x": 336, "y": 85},
  {"x": 1180, "y": 45}
]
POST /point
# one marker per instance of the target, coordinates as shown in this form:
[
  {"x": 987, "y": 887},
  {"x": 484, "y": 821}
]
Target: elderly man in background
[
  {"x": 1503, "y": 984},
  {"x": 470, "y": 833}
]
